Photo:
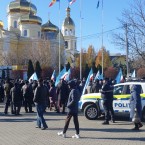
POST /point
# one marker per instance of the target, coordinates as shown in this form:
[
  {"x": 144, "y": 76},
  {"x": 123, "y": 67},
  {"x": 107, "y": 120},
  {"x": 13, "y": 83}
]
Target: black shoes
[
  {"x": 105, "y": 123},
  {"x": 43, "y": 128}
]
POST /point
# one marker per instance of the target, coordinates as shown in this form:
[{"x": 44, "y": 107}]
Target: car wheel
[{"x": 91, "y": 112}]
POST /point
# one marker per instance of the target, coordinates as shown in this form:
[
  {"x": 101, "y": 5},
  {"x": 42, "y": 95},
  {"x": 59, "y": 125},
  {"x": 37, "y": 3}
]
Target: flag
[
  {"x": 53, "y": 77},
  {"x": 133, "y": 74},
  {"x": 66, "y": 76},
  {"x": 119, "y": 77},
  {"x": 87, "y": 81},
  {"x": 98, "y": 76},
  {"x": 60, "y": 75},
  {"x": 33, "y": 77},
  {"x": 71, "y": 1},
  {"x": 98, "y": 4},
  {"x": 53, "y": 2}
]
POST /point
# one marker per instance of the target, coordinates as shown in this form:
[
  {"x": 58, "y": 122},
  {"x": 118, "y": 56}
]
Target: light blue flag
[
  {"x": 33, "y": 77},
  {"x": 133, "y": 74},
  {"x": 98, "y": 76},
  {"x": 66, "y": 76},
  {"x": 87, "y": 81},
  {"x": 119, "y": 76},
  {"x": 53, "y": 77},
  {"x": 60, "y": 75}
]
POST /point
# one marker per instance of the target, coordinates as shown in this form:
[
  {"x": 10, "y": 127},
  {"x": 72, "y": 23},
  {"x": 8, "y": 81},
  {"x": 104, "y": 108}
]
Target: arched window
[
  {"x": 66, "y": 32},
  {"x": 25, "y": 33},
  {"x": 15, "y": 24},
  {"x": 71, "y": 32},
  {"x": 38, "y": 34},
  {"x": 66, "y": 44}
]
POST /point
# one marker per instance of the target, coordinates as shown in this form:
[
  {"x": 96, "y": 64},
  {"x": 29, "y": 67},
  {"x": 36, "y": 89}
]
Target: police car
[{"x": 92, "y": 104}]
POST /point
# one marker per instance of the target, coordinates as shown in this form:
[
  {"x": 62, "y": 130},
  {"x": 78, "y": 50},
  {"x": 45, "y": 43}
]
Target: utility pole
[{"x": 126, "y": 39}]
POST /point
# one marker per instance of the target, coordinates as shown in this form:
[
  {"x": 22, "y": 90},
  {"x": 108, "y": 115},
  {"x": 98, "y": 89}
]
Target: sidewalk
[{"x": 20, "y": 130}]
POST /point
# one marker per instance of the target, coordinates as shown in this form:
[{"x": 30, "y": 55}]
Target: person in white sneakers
[{"x": 72, "y": 105}]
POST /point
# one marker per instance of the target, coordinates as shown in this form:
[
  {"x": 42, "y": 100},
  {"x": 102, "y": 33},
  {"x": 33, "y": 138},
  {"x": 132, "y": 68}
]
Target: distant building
[
  {"x": 118, "y": 59},
  {"x": 26, "y": 38}
]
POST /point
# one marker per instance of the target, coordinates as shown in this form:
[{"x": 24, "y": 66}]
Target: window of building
[
  {"x": 38, "y": 34},
  {"x": 25, "y": 33},
  {"x": 66, "y": 44},
  {"x": 66, "y": 32},
  {"x": 71, "y": 32},
  {"x": 15, "y": 24}
]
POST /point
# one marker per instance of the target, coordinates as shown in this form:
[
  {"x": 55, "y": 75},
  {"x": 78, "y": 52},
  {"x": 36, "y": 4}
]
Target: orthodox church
[{"x": 27, "y": 38}]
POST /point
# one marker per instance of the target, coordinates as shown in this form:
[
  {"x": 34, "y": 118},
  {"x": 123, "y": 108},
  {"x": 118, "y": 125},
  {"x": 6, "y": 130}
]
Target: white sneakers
[
  {"x": 64, "y": 135},
  {"x": 61, "y": 134},
  {"x": 76, "y": 136}
]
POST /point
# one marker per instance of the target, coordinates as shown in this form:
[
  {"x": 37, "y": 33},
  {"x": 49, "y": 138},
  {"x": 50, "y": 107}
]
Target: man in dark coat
[
  {"x": 27, "y": 96},
  {"x": 72, "y": 105},
  {"x": 16, "y": 98},
  {"x": 135, "y": 104},
  {"x": 41, "y": 100},
  {"x": 107, "y": 96},
  {"x": 7, "y": 99},
  {"x": 62, "y": 95}
]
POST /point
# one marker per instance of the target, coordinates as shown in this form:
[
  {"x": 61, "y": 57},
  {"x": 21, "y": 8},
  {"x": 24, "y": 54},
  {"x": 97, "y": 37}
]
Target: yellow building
[{"x": 26, "y": 38}]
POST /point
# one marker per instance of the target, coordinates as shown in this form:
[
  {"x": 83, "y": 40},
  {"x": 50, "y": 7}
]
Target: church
[{"x": 27, "y": 38}]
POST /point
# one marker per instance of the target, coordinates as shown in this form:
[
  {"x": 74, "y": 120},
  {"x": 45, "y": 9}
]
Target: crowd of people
[{"x": 44, "y": 93}]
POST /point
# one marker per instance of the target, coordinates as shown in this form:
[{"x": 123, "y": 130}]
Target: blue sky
[{"x": 91, "y": 19}]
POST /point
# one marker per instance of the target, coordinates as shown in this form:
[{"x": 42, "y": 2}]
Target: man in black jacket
[
  {"x": 41, "y": 96},
  {"x": 107, "y": 96},
  {"x": 72, "y": 105},
  {"x": 16, "y": 99}
]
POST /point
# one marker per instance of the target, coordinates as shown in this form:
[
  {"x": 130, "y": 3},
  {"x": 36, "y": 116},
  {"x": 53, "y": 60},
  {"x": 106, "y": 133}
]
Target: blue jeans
[{"x": 40, "y": 119}]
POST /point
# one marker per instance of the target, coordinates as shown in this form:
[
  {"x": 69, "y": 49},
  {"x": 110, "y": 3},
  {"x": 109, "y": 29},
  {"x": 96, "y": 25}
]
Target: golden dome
[
  {"x": 49, "y": 27},
  {"x": 32, "y": 19},
  {"x": 1, "y": 24},
  {"x": 22, "y": 6}
]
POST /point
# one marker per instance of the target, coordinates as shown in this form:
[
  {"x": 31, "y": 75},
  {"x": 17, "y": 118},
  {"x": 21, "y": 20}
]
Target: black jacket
[{"x": 41, "y": 95}]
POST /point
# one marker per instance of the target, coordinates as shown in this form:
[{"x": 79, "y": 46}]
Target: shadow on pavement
[{"x": 110, "y": 130}]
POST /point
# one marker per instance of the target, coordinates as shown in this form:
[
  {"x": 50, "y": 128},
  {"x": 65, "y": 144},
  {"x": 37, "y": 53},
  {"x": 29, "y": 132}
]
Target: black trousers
[
  {"x": 108, "y": 108},
  {"x": 75, "y": 119},
  {"x": 28, "y": 104}
]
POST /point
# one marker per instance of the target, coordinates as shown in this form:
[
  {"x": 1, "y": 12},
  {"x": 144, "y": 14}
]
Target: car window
[
  {"x": 126, "y": 89},
  {"x": 118, "y": 90}
]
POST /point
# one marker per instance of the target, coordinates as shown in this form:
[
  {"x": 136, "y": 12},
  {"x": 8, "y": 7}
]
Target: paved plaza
[{"x": 20, "y": 130}]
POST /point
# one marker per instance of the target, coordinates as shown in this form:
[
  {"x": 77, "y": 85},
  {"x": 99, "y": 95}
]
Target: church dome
[
  {"x": 49, "y": 27},
  {"x": 1, "y": 24},
  {"x": 68, "y": 21},
  {"x": 22, "y": 6},
  {"x": 31, "y": 19}
]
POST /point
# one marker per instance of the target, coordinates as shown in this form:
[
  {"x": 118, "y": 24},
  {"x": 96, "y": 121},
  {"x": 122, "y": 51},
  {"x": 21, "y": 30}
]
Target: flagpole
[
  {"x": 102, "y": 39},
  {"x": 80, "y": 39},
  {"x": 59, "y": 39}
]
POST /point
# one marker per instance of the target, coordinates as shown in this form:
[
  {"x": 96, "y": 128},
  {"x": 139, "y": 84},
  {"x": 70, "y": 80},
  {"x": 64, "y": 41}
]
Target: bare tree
[{"x": 134, "y": 19}]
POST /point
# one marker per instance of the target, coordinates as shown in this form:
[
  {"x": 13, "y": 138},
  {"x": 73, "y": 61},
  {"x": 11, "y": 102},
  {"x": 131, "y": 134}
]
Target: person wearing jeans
[
  {"x": 41, "y": 100},
  {"x": 72, "y": 106}
]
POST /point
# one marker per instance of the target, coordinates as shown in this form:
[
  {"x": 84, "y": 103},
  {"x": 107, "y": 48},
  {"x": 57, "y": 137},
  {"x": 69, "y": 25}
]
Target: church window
[
  {"x": 66, "y": 44},
  {"x": 71, "y": 32},
  {"x": 66, "y": 33},
  {"x": 15, "y": 24},
  {"x": 25, "y": 33},
  {"x": 38, "y": 34}
]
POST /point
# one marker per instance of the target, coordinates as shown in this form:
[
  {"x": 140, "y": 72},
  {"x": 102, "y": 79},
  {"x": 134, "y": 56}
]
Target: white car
[{"x": 92, "y": 106}]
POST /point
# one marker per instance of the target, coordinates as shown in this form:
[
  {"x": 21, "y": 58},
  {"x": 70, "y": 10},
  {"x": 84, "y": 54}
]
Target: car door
[{"x": 121, "y": 98}]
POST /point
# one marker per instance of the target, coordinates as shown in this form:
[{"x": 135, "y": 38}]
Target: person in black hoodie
[{"x": 72, "y": 105}]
